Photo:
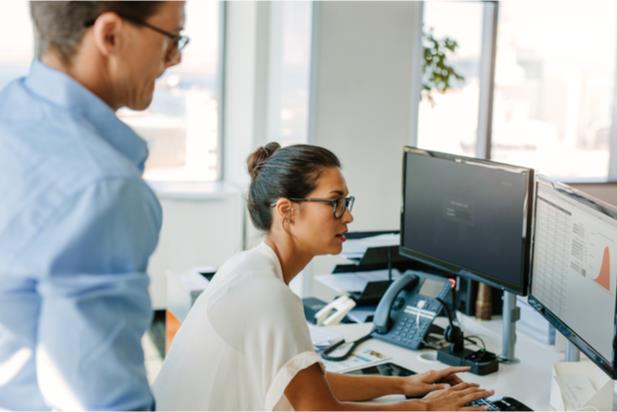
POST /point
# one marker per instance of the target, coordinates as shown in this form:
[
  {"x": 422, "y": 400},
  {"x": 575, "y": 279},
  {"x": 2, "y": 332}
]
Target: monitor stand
[
  {"x": 511, "y": 314},
  {"x": 572, "y": 352}
]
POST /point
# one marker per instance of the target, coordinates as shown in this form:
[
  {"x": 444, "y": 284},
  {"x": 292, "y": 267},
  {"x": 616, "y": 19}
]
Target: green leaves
[{"x": 437, "y": 74}]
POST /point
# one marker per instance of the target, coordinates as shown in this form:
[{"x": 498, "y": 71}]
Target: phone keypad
[
  {"x": 412, "y": 315},
  {"x": 408, "y": 332}
]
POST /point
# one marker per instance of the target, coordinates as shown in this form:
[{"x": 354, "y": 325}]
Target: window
[
  {"x": 449, "y": 123},
  {"x": 182, "y": 123},
  {"x": 17, "y": 44},
  {"x": 290, "y": 89},
  {"x": 554, "y": 85}
]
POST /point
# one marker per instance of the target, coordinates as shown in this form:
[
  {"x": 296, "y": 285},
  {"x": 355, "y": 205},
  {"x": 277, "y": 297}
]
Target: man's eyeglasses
[
  {"x": 178, "y": 40},
  {"x": 339, "y": 205}
]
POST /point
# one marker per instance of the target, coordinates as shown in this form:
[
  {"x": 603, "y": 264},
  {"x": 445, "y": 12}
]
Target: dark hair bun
[{"x": 259, "y": 157}]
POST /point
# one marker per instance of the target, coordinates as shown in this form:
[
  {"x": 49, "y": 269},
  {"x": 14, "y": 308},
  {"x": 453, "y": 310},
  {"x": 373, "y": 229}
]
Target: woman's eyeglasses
[{"x": 339, "y": 205}]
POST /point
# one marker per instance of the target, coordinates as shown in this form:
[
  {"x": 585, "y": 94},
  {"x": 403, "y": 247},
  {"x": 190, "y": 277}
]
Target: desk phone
[{"x": 409, "y": 306}]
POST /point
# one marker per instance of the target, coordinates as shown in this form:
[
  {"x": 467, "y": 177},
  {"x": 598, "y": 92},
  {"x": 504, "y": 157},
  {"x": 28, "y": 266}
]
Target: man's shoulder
[
  {"x": 54, "y": 145},
  {"x": 49, "y": 155}
]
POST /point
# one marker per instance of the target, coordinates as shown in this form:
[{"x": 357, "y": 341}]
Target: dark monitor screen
[
  {"x": 468, "y": 216},
  {"x": 574, "y": 255}
]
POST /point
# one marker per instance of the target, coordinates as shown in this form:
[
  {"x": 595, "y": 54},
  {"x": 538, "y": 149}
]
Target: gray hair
[{"x": 59, "y": 26}]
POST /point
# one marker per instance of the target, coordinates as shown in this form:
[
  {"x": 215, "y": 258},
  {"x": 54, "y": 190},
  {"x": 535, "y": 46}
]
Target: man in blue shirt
[{"x": 77, "y": 222}]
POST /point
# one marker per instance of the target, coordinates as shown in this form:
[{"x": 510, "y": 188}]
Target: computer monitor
[
  {"x": 468, "y": 216},
  {"x": 574, "y": 250}
]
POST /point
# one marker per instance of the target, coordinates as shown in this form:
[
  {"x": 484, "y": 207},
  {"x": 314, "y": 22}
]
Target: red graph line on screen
[{"x": 604, "y": 277}]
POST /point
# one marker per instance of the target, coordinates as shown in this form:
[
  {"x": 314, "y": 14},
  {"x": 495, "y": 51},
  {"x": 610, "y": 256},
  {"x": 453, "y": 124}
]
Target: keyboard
[
  {"x": 492, "y": 404},
  {"x": 501, "y": 404}
]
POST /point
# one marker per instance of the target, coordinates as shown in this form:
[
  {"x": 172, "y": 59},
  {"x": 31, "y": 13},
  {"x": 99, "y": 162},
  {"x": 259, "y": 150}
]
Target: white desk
[{"x": 528, "y": 381}]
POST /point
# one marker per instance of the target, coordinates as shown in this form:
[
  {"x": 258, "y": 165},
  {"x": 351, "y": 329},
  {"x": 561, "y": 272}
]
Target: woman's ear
[{"x": 284, "y": 211}]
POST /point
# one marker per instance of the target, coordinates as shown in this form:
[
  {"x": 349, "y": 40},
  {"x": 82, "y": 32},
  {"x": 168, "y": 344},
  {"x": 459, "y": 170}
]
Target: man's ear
[{"x": 106, "y": 31}]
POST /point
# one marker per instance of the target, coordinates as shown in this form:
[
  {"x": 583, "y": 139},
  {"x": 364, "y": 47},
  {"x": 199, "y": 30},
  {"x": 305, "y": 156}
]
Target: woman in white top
[{"x": 245, "y": 344}]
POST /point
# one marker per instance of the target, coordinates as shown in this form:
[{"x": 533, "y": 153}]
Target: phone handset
[{"x": 381, "y": 320}]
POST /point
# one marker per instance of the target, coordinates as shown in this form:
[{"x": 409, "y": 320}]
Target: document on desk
[
  {"x": 356, "y": 248},
  {"x": 357, "y": 360},
  {"x": 355, "y": 281},
  {"x": 576, "y": 390}
]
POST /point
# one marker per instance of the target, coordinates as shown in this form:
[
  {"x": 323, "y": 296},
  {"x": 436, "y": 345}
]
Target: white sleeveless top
[{"x": 242, "y": 342}]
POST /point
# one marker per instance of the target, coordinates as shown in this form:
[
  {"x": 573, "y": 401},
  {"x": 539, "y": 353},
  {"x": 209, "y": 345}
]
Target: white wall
[
  {"x": 202, "y": 226},
  {"x": 247, "y": 85}
]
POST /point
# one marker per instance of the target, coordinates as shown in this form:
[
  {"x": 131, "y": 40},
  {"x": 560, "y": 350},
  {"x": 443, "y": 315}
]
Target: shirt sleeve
[
  {"x": 286, "y": 338},
  {"x": 268, "y": 326},
  {"x": 95, "y": 305},
  {"x": 286, "y": 373}
]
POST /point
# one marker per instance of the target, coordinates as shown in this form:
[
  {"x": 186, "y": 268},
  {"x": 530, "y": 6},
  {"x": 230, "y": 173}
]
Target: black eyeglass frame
[
  {"x": 180, "y": 41},
  {"x": 349, "y": 201}
]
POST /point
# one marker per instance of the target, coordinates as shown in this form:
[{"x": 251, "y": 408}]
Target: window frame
[{"x": 221, "y": 89}]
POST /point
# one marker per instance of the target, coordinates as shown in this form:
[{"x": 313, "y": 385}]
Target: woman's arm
[
  {"x": 309, "y": 390},
  {"x": 366, "y": 387},
  {"x": 363, "y": 388}
]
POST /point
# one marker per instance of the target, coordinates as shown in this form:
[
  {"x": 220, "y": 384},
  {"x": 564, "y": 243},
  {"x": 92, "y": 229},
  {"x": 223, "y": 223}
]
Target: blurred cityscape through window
[
  {"x": 181, "y": 125},
  {"x": 554, "y": 85},
  {"x": 449, "y": 123},
  {"x": 295, "y": 71},
  {"x": 17, "y": 47}
]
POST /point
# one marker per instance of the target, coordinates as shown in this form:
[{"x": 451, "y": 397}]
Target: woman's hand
[
  {"x": 455, "y": 398},
  {"x": 419, "y": 385}
]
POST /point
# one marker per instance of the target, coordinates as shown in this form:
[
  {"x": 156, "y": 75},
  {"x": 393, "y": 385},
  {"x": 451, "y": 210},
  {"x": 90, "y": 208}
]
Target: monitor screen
[
  {"x": 468, "y": 216},
  {"x": 574, "y": 250}
]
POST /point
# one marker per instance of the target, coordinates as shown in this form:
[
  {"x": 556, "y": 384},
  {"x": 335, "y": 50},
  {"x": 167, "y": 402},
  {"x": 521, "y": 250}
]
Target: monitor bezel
[
  {"x": 608, "y": 366},
  {"x": 520, "y": 288}
]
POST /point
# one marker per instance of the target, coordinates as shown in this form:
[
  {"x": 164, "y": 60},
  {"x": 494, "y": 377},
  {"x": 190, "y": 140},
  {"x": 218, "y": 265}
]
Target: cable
[
  {"x": 501, "y": 359},
  {"x": 326, "y": 353},
  {"x": 471, "y": 339}
]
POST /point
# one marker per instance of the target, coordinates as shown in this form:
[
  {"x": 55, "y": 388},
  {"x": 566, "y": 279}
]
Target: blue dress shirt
[{"x": 77, "y": 227}]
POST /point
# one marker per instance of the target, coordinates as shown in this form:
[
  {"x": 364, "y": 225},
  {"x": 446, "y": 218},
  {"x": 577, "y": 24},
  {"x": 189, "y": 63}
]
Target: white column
[
  {"x": 247, "y": 85},
  {"x": 417, "y": 56},
  {"x": 361, "y": 98},
  {"x": 487, "y": 80}
]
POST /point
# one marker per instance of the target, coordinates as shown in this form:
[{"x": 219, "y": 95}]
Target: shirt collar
[
  {"x": 64, "y": 91},
  {"x": 269, "y": 252}
]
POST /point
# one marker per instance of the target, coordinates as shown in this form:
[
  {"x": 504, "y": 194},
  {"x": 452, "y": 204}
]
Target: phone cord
[{"x": 326, "y": 353}]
